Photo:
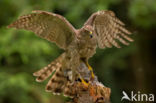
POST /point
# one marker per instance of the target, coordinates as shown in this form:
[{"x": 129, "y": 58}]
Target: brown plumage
[{"x": 103, "y": 28}]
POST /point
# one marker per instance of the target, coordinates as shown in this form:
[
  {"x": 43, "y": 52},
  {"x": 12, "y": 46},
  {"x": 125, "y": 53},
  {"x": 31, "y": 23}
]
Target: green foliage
[
  {"x": 143, "y": 13},
  {"x": 17, "y": 89}
]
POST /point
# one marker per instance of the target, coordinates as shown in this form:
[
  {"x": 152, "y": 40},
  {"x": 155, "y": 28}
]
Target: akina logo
[{"x": 137, "y": 96}]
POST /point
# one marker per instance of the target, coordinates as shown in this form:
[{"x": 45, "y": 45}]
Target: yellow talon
[{"x": 84, "y": 82}]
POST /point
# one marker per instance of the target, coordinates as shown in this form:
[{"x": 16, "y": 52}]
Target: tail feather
[
  {"x": 57, "y": 82},
  {"x": 45, "y": 72},
  {"x": 41, "y": 71},
  {"x": 48, "y": 72},
  {"x": 69, "y": 91}
]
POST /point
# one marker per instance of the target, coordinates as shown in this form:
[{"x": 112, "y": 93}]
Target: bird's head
[{"x": 87, "y": 31}]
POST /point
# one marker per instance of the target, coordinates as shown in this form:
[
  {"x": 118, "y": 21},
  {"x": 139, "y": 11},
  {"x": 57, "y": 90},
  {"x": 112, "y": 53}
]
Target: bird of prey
[{"x": 103, "y": 29}]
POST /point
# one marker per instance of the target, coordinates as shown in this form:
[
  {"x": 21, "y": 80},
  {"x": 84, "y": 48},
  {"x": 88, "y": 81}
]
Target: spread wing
[
  {"x": 50, "y": 26},
  {"x": 109, "y": 29}
]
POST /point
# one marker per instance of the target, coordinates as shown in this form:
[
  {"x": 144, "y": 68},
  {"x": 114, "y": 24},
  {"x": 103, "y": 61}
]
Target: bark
[{"x": 93, "y": 93}]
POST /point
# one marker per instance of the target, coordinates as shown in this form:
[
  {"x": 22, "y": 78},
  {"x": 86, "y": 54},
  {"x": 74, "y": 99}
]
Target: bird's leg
[
  {"x": 75, "y": 63},
  {"x": 91, "y": 70},
  {"x": 87, "y": 71}
]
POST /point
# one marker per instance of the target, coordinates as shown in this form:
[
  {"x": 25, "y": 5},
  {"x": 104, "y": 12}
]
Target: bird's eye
[{"x": 91, "y": 36}]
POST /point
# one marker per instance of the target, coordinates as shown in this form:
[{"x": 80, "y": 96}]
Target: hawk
[{"x": 103, "y": 29}]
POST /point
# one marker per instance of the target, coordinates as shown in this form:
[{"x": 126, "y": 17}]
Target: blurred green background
[{"x": 132, "y": 68}]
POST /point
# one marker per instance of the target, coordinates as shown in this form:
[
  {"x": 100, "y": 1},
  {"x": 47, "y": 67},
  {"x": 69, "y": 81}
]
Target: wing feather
[
  {"x": 115, "y": 34},
  {"x": 108, "y": 29},
  {"x": 50, "y": 26}
]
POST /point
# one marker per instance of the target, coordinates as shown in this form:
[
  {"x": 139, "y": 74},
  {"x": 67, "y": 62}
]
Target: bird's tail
[{"x": 58, "y": 79}]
